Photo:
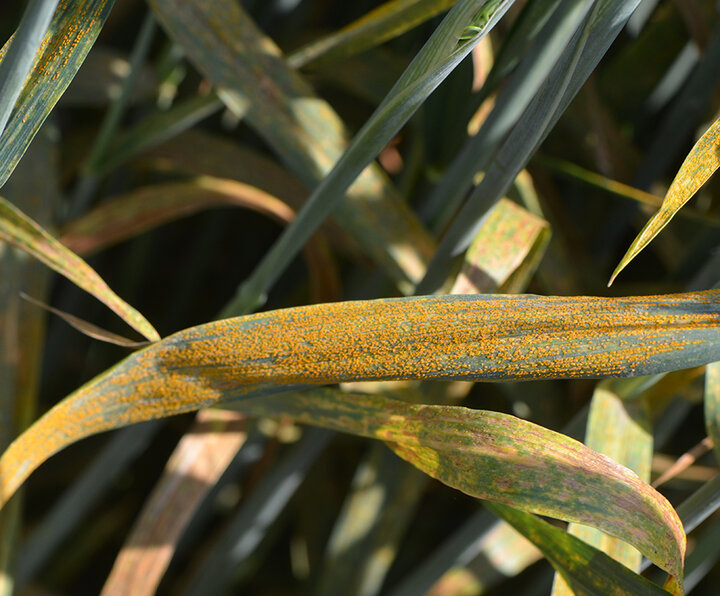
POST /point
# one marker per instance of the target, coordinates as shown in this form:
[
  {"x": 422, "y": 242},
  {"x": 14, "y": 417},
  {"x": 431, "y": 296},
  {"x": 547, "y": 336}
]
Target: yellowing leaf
[
  {"x": 18, "y": 229},
  {"x": 436, "y": 337},
  {"x": 698, "y": 166}
]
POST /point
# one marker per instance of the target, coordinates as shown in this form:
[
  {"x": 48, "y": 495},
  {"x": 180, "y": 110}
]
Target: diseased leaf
[
  {"x": 506, "y": 250},
  {"x": 22, "y": 232},
  {"x": 502, "y": 458},
  {"x": 445, "y": 337},
  {"x": 587, "y": 570},
  {"x": 71, "y": 34},
  {"x": 619, "y": 428},
  {"x": 697, "y": 168}
]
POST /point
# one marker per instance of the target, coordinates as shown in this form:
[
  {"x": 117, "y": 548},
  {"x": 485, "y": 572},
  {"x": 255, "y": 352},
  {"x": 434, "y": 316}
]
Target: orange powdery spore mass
[{"x": 450, "y": 337}]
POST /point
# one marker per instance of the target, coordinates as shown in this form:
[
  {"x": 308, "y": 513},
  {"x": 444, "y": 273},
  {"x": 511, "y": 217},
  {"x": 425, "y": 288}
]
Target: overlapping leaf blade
[
  {"x": 304, "y": 131},
  {"x": 587, "y": 570}
]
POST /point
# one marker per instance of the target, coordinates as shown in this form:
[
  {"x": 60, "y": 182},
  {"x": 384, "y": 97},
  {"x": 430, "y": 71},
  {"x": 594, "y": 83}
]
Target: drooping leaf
[
  {"x": 502, "y": 458},
  {"x": 698, "y": 166},
  {"x": 587, "y": 570},
  {"x": 450, "y": 337},
  {"x": 71, "y": 34},
  {"x": 22, "y": 232},
  {"x": 124, "y": 217}
]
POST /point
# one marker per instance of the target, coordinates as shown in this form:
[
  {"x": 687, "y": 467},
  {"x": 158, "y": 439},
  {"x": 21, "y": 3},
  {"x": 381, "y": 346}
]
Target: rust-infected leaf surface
[
  {"x": 502, "y": 458},
  {"x": 440, "y": 337},
  {"x": 699, "y": 165},
  {"x": 72, "y": 32},
  {"x": 18, "y": 229}
]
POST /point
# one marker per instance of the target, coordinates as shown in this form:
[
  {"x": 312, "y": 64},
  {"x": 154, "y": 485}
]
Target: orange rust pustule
[{"x": 448, "y": 337}]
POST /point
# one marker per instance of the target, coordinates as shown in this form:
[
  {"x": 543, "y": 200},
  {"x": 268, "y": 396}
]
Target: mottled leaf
[
  {"x": 698, "y": 166},
  {"x": 619, "y": 428},
  {"x": 447, "y": 337},
  {"x": 22, "y": 232},
  {"x": 505, "y": 459}
]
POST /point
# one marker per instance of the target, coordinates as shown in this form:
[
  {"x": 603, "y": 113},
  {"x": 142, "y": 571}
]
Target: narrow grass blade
[
  {"x": 525, "y": 29},
  {"x": 124, "y": 217},
  {"x": 619, "y": 428},
  {"x": 20, "y": 231},
  {"x": 199, "y": 459},
  {"x": 86, "y": 327},
  {"x": 587, "y": 570},
  {"x": 304, "y": 131},
  {"x": 71, "y": 34},
  {"x": 448, "y": 337},
  {"x": 619, "y": 189},
  {"x": 567, "y": 77},
  {"x": 697, "y": 168},
  {"x": 155, "y": 129},
  {"x": 712, "y": 404},
  {"x": 538, "y": 62},
  {"x": 387, "y": 21},
  {"x": 18, "y": 58}
]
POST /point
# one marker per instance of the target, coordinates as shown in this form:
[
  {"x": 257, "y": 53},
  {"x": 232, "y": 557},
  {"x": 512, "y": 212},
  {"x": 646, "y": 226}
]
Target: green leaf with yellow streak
[
  {"x": 439, "y": 337},
  {"x": 19, "y": 230},
  {"x": 72, "y": 32},
  {"x": 699, "y": 165}
]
